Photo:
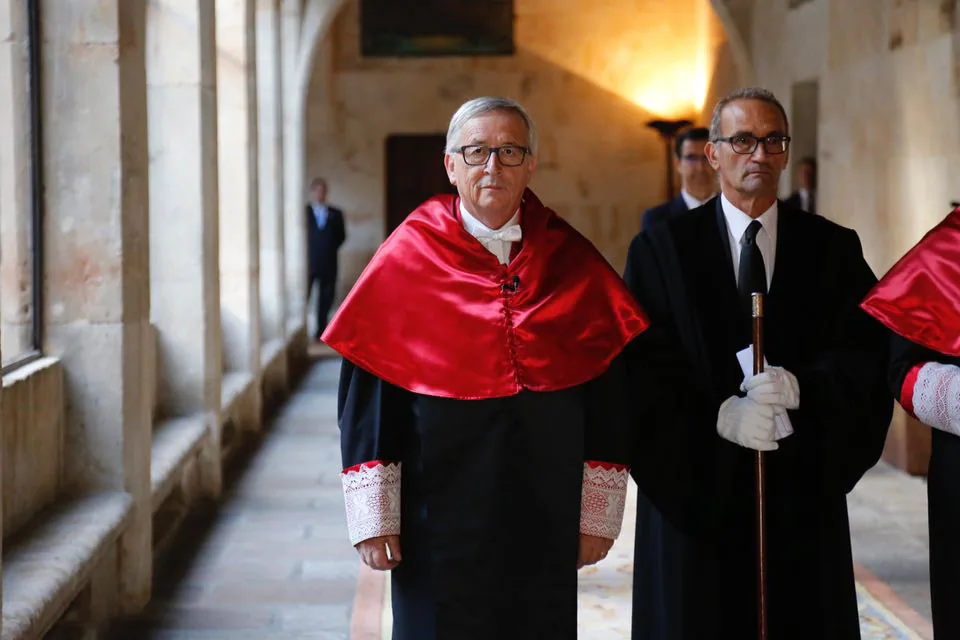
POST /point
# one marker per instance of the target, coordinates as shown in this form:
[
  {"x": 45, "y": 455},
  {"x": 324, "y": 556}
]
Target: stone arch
[
  {"x": 318, "y": 15},
  {"x": 734, "y": 15},
  {"x": 606, "y": 222}
]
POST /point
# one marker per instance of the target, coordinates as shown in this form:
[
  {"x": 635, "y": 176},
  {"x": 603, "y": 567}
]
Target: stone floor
[
  {"x": 888, "y": 524},
  {"x": 274, "y": 562}
]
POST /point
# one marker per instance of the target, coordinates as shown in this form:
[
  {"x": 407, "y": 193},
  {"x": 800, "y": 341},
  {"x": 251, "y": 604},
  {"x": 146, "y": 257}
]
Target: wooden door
[{"x": 415, "y": 173}]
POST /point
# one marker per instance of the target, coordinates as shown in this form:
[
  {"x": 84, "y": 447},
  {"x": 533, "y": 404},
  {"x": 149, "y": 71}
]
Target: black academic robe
[
  {"x": 794, "y": 200},
  {"x": 490, "y": 500},
  {"x": 943, "y": 496},
  {"x": 695, "y": 565},
  {"x": 661, "y": 212}
]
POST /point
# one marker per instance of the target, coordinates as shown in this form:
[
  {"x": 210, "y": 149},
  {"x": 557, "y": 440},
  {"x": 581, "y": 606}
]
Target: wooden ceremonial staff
[{"x": 757, "y": 308}]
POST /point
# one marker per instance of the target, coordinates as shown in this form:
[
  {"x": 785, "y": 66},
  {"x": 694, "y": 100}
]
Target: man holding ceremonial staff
[{"x": 819, "y": 412}]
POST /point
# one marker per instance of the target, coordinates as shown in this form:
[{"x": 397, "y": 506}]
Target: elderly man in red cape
[
  {"x": 919, "y": 300},
  {"x": 482, "y": 399}
]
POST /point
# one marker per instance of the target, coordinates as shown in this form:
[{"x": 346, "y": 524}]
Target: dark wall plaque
[{"x": 425, "y": 28}]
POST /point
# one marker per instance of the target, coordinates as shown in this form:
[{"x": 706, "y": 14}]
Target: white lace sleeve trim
[
  {"x": 603, "y": 499},
  {"x": 371, "y": 492},
  {"x": 936, "y": 396}
]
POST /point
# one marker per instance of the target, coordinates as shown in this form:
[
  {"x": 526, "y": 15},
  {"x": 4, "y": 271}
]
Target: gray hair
[
  {"x": 745, "y": 93},
  {"x": 479, "y": 106}
]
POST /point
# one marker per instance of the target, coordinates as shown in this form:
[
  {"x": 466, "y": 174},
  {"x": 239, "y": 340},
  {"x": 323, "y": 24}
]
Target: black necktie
[{"x": 752, "y": 274}]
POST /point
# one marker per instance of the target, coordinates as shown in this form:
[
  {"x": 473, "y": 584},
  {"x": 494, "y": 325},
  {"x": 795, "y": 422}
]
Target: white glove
[
  {"x": 747, "y": 423},
  {"x": 775, "y": 386}
]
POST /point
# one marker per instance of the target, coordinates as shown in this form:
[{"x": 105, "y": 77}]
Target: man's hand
[
  {"x": 775, "y": 386},
  {"x": 747, "y": 423},
  {"x": 373, "y": 552},
  {"x": 592, "y": 550}
]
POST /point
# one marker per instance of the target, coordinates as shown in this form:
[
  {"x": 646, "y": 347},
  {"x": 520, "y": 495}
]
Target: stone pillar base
[{"x": 908, "y": 444}]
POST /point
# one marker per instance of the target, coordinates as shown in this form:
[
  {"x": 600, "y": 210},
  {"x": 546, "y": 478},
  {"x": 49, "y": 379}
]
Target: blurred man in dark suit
[
  {"x": 698, "y": 182},
  {"x": 325, "y": 234},
  {"x": 805, "y": 197}
]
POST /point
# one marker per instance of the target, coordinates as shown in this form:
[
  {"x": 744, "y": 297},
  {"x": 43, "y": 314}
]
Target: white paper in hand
[{"x": 780, "y": 418}]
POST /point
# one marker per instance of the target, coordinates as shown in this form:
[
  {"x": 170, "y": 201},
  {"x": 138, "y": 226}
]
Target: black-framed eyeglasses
[
  {"x": 745, "y": 144},
  {"x": 509, "y": 155}
]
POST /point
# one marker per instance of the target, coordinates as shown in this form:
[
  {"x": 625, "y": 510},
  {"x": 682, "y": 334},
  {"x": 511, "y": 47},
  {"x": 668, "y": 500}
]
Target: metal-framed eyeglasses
[
  {"x": 745, "y": 144},
  {"x": 509, "y": 155}
]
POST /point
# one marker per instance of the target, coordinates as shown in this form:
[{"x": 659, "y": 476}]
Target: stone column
[
  {"x": 239, "y": 225},
  {"x": 184, "y": 241},
  {"x": 16, "y": 225},
  {"x": 12, "y": 183},
  {"x": 97, "y": 270},
  {"x": 295, "y": 248},
  {"x": 270, "y": 110}
]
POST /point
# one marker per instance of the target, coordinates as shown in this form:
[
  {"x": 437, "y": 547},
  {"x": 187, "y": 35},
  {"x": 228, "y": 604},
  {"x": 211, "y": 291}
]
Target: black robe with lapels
[
  {"x": 695, "y": 566},
  {"x": 491, "y": 500}
]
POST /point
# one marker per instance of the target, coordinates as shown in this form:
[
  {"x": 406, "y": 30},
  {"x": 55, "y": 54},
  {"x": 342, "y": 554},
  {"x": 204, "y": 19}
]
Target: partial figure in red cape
[
  {"x": 919, "y": 300},
  {"x": 482, "y": 398}
]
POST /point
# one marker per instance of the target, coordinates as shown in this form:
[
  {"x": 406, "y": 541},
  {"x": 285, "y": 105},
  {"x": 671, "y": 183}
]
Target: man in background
[
  {"x": 325, "y": 234},
  {"x": 805, "y": 197},
  {"x": 698, "y": 182}
]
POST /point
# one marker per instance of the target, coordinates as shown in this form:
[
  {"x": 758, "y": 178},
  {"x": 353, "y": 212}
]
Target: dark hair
[
  {"x": 316, "y": 182},
  {"x": 808, "y": 160},
  {"x": 697, "y": 134},
  {"x": 747, "y": 93}
]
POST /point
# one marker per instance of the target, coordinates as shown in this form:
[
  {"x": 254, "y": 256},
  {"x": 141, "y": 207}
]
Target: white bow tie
[{"x": 505, "y": 234}]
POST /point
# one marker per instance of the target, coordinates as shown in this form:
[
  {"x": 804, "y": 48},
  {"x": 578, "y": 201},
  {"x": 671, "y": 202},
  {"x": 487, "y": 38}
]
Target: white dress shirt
[
  {"x": 499, "y": 248},
  {"x": 806, "y": 196},
  {"x": 691, "y": 202},
  {"x": 737, "y": 223},
  {"x": 320, "y": 214}
]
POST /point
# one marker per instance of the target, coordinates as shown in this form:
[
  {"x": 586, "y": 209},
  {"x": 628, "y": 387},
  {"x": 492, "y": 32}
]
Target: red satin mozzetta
[
  {"x": 437, "y": 314},
  {"x": 919, "y": 298}
]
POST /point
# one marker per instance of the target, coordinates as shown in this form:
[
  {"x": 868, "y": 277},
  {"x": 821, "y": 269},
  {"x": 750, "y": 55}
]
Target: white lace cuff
[
  {"x": 371, "y": 492},
  {"x": 603, "y": 499},
  {"x": 936, "y": 396}
]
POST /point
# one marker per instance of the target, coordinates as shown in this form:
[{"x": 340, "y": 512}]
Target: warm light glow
[
  {"x": 672, "y": 93},
  {"x": 678, "y": 65},
  {"x": 658, "y": 55}
]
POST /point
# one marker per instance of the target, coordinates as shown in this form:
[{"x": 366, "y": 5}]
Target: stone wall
[
  {"x": 889, "y": 125},
  {"x": 16, "y": 225},
  {"x": 582, "y": 68},
  {"x": 128, "y": 419},
  {"x": 33, "y": 442},
  {"x": 889, "y": 129}
]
